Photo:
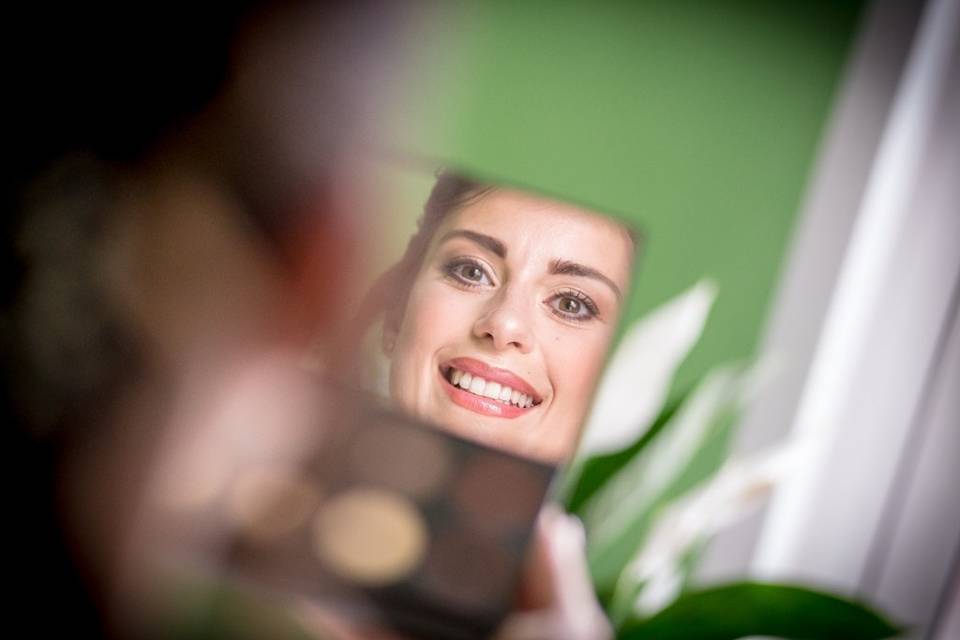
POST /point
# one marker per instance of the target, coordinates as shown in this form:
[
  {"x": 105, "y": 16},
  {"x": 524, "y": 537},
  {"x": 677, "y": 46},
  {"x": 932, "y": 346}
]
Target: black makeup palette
[{"x": 422, "y": 530}]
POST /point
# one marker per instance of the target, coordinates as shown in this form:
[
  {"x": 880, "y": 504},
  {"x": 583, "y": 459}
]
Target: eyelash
[
  {"x": 451, "y": 271},
  {"x": 592, "y": 311}
]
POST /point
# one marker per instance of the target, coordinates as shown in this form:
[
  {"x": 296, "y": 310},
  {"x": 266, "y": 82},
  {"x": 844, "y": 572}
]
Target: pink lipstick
[{"x": 487, "y": 390}]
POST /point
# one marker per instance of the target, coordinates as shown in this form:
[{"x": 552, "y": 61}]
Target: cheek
[
  {"x": 435, "y": 318},
  {"x": 576, "y": 363},
  {"x": 434, "y": 314}
]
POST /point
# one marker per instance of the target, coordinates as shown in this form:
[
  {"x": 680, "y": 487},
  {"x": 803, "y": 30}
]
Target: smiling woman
[{"x": 499, "y": 315}]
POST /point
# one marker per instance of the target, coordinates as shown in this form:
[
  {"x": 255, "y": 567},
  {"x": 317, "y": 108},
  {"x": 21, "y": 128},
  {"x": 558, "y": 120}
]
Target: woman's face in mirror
[{"x": 508, "y": 322}]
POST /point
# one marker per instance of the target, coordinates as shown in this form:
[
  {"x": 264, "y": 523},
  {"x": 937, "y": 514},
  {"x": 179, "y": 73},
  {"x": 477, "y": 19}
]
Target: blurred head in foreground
[{"x": 163, "y": 257}]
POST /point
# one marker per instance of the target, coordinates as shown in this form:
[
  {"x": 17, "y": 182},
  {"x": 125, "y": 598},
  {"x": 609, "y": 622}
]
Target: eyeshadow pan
[
  {"x": 414, "y": 462},
  {"x": 266, "y": 502},
  {"x": 370, "y": 536},
  {"x": 498, "y": 493},
  {"x": 428, "y": 528},
  {"x": 467, "y": 571}
]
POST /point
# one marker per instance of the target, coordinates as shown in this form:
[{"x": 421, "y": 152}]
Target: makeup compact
[{"x": 392, "y": 519}]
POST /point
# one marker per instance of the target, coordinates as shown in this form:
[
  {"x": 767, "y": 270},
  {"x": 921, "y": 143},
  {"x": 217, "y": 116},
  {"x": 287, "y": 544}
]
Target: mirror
[{"x": 495, "y": 318}]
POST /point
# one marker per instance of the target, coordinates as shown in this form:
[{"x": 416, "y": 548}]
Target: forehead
[{"x": 537, "y": 228}]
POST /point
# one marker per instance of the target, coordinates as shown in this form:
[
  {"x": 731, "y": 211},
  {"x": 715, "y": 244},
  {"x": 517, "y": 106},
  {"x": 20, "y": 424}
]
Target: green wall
[{"x": 698, "y": 121}]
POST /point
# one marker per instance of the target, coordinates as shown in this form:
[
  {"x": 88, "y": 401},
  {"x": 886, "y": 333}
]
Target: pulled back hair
[{"x": 390, "y": 292}]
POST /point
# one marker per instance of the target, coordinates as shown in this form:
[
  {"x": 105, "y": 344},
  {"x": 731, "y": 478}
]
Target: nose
[{"x": 505, "y": 322}]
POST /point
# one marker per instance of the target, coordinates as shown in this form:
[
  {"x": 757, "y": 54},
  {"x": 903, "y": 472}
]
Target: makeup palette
[{"x": 421, "y": 530}]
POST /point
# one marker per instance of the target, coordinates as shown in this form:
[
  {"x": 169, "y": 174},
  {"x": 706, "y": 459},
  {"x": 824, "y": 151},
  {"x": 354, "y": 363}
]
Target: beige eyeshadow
[
  {"x": 265, "y": 502},
  {"x": 370, "y": 536}
]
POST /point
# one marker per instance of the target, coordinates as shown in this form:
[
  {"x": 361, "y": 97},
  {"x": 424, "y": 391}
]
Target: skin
[{"x": 514, "y": 312}]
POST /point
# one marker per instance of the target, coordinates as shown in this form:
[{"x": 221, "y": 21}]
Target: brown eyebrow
[
  {"x": 566, "y": 267},
  {"x": 482, "y": 239}
]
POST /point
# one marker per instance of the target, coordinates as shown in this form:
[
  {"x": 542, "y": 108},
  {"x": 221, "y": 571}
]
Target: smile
[{"x": 487, "y": 390}]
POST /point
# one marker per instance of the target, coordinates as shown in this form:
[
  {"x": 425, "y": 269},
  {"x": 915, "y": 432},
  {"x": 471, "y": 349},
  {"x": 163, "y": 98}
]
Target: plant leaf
[
  {"x": 683, "y": 527},
  {"x": 638, "y": 377},
  {"x": 594, "y": 472},
  {"x": 754, "y": 609},
  {"x": 687, "y": 451}
]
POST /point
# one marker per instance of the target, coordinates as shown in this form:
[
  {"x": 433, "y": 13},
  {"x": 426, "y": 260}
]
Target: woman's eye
[
  {"x": 468, "y": 273},
  {"x": 573, "y": 306},
  {"x": 471, "y": 272},
  {"x": 570, "y": 305}
]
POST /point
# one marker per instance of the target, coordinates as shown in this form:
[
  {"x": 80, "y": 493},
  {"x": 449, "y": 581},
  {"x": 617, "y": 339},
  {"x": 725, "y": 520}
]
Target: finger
[
  {"x": 536, "y": 589},
  {"x": 576, "y": 598},
  {"x": 575, "y": 602},
  {"x": 536, "y": 625}
]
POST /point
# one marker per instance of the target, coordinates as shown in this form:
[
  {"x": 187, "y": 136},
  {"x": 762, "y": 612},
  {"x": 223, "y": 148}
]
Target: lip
[
  {"x": 487, "y": 406},
  {"x": 493, "y": 374}
]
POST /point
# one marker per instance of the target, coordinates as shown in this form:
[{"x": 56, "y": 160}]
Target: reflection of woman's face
[{"x": 508, "y": 322}]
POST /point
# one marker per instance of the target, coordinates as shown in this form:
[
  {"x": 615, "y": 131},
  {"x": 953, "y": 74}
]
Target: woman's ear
[
  {"x": 383, "y": 297},
  {"x": 388, "y": 338}
]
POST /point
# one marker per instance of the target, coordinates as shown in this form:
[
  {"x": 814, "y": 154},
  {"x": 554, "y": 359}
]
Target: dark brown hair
[{"x": 390, "y": 292}]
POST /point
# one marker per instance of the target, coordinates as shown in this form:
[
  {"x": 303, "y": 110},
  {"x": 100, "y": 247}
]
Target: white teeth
[
  {"x": 493, "y": 390},
  {"x": 478, "y": 385}
]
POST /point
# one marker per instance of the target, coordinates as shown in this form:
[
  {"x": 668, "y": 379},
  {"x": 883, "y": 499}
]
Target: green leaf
[
  {"x": 199, "y": 607},
  {"x": 638, "y": 377},
  {"x": 621, "y": 602},
  {"x": 753, "y": 609},
  {"x": 688, "y": 451},
  {"x": 596, "y": 471},
  {"x": 701, "y": 469}
]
